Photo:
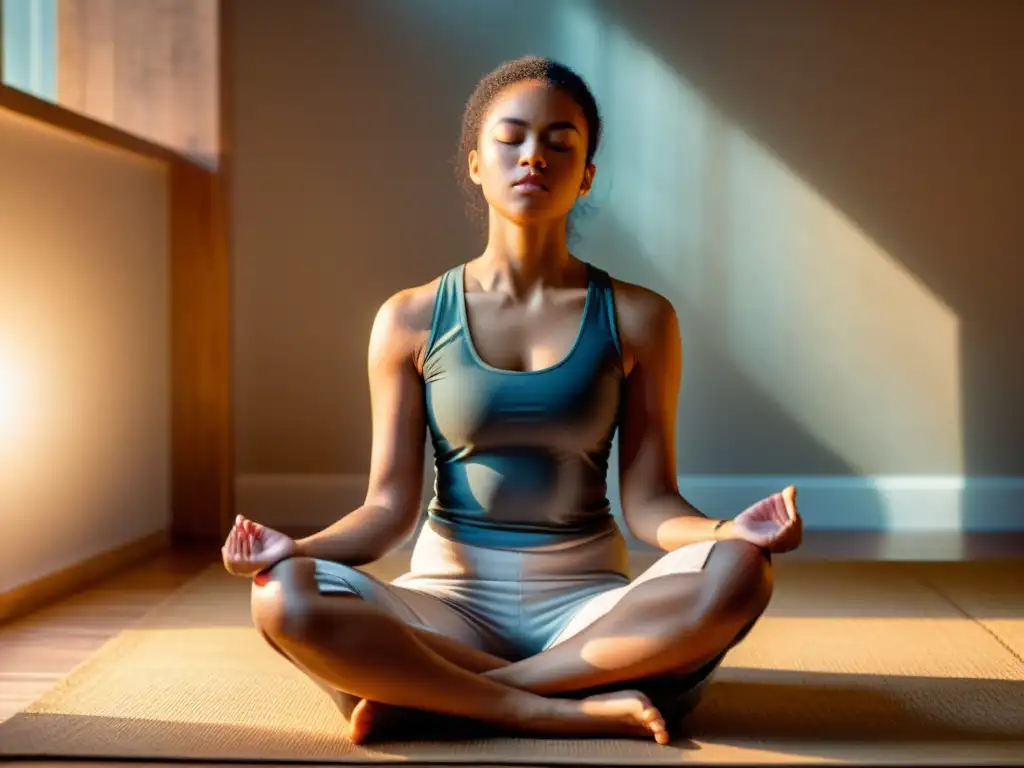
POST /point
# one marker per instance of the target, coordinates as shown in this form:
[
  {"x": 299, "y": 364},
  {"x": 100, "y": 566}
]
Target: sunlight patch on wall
[
  {"x": 84, "y": 348},
  {"x": 16, "y": 390},
  {"x": 848, "y": 343},
  {"x": 23, "y": 391}
]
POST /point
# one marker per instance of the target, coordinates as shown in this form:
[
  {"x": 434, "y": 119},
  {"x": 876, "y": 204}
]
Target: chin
[{"x": 531, "y": 210}]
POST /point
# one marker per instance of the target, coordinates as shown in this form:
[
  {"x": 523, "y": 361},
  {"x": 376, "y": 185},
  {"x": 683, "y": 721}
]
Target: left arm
[{"x": 653, "y": 509}]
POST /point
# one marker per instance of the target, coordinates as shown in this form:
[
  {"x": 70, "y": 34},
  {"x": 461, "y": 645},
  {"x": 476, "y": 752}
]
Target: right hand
[
  {"x": 772, "y": 523},
  {"x": 251, "y": 548}
]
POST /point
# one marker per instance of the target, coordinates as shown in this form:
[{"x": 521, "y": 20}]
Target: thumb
[{"x": 789, "y": 500}]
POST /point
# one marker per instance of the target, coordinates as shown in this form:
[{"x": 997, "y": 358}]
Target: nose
[{"x": 530, "y": 154}]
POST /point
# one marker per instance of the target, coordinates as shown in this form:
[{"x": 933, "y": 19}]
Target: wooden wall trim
[
  {"x": 202, "y": 482},
  {"x": 71, "y": 580},
  {"x": 30, "y": 106}
]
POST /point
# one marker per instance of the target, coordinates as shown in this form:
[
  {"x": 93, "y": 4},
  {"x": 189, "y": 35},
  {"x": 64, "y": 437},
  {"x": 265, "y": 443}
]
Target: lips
[{"x": 533, "y": 179}]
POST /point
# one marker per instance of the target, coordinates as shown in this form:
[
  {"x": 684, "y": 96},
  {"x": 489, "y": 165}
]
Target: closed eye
[{"x": 553, "y": 146}]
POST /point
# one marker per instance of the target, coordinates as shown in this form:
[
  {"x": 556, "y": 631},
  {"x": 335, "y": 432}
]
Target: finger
[
  {"x": 798, "y": 532},
  {"x": 779, "y": 512},
  {"x": 789, "y": 497},
  {"x": 793, "y": 531},
  {"x": 791, "y": 536}
]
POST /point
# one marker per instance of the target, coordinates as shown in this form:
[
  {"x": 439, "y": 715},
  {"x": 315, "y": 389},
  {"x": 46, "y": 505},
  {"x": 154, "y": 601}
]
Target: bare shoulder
[
  {"x": 411, "y": 309},
  {"x": 402, "y": 325},
  {"x": 645, "y": 318}
]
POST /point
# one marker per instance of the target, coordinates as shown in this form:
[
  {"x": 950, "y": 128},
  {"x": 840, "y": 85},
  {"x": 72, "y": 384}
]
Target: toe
[
  {"x": 656, "y": 725},
  {"x": 358, "y": 724},
  {"x": 651, "y": 714}
]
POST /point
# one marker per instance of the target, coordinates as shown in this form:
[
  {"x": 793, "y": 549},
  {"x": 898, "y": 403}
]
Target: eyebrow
[{"x": 553, "y": 127}]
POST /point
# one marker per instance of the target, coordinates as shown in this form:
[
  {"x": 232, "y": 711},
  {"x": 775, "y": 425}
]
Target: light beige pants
[{"x": 510, "y": 603}]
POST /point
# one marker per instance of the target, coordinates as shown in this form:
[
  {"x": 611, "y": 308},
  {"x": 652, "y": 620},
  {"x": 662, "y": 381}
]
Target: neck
[{"x": 521, "y": 258}]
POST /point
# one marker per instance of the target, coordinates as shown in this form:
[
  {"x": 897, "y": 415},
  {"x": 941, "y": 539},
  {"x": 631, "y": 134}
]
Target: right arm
[{"x": 392, "y": 505}]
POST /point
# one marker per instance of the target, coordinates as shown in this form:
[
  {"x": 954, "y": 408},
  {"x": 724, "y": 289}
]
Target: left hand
[
  {"x": 772, "y": 523},
  {"x": 252, "y": 548}
]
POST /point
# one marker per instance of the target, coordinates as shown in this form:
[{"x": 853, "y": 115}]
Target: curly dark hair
[{"x": 527, "y": 68}]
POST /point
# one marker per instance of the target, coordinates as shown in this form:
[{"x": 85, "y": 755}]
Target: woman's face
[{"x": 531, "y": 156}]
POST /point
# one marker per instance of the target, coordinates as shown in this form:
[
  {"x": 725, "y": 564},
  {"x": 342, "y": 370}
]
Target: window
[
  {"x": 148, "y": 68},
  {"x": 30, "y": 46}
]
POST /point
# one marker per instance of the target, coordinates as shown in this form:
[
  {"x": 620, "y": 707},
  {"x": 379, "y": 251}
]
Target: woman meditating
[{"x": 518, "y": 610}]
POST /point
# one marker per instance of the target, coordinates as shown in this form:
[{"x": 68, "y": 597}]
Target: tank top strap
[
  {"x": 445, "y": 322},
  {"x": 605, "y": 304}
]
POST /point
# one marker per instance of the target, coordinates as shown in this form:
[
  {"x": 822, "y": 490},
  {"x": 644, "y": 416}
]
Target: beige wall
[
  {"x": 84, "y": 397},
  {"x": 827, "y": 191}
]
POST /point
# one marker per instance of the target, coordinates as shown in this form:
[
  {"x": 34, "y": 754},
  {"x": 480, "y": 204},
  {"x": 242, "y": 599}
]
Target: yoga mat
[{"x": 858, "y": 662}]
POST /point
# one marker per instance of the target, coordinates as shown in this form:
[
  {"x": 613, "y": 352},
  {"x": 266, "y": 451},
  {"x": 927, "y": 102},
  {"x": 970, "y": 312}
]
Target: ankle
[{"x": 542, "y": 713}]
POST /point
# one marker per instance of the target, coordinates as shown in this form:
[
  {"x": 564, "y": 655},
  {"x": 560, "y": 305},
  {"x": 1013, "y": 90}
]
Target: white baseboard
[{"x": 889, "y": 503}]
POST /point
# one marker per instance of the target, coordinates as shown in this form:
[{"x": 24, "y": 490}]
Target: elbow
[
  {"x": 643, "y": 534},
  {"x": 396, "y": 522},
  {"x": 405, "y": 526},
  {"x": 638, "y": 524},
  {"x": 646, "y": 515}
]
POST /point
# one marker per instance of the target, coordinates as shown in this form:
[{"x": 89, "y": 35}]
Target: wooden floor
[{"x": 38, "y": 650}]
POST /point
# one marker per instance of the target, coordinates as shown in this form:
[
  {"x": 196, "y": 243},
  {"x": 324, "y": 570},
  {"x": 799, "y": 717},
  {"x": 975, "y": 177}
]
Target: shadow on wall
[
  {"x": 785, "y": 374},
  {"x": 826, "y": 195},
  {"x": 904, "y": 122},
  {"x": 821, "y": 190}
]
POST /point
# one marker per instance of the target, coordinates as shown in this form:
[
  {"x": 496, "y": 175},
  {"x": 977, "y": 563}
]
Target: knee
[
  {"x": 741, "y": 579},
  {"x": 283, "y": 603}
]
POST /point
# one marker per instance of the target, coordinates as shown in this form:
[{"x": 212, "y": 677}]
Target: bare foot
[
  {"x": 622, "y": 713},
  {"x": 361, "y": 721},
  {"x": 629, "y": 713},
  {"x": 373, "y": 721}
]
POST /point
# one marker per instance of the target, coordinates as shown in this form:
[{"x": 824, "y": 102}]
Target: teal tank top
[{"x": 521, "y": 457}]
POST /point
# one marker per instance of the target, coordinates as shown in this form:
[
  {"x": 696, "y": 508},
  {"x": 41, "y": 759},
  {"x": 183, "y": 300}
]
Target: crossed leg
[
  {"x": 661, "y": 624},
  {"x": 347, "y": 644}
]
